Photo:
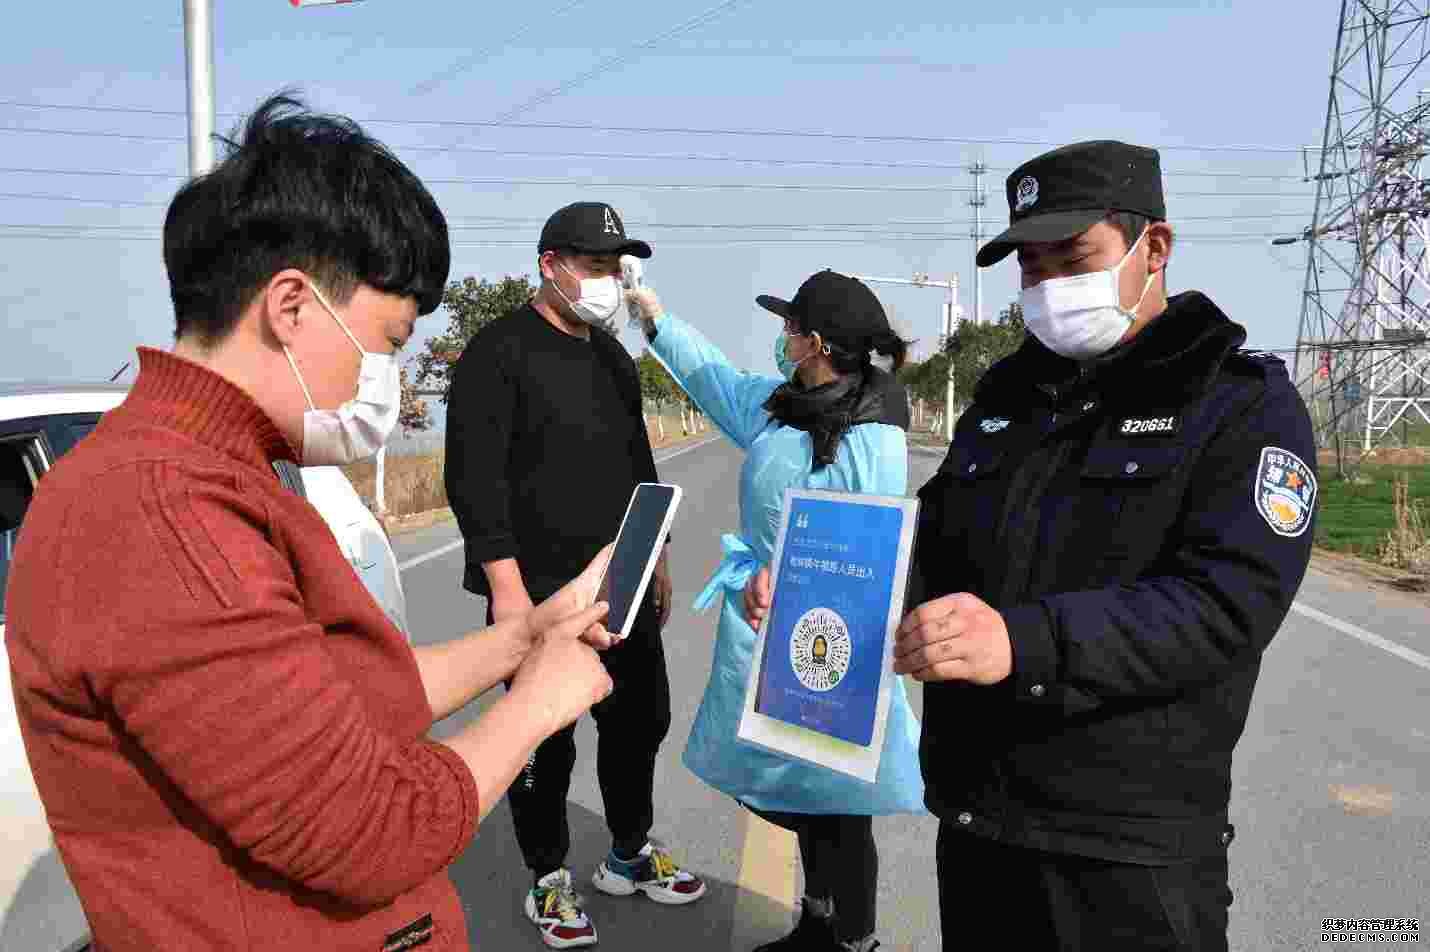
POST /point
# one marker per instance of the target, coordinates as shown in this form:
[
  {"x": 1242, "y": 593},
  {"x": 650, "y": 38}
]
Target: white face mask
[
  {"x": 885, "y": 364},
  {"x": 358, "y": 428},
  {"x": 1082, "y": 316},
  {"x": 600, "y": 297}
]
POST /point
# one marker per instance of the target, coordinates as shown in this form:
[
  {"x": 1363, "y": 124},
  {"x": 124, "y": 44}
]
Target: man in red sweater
[{"x": 229, "y": 735}]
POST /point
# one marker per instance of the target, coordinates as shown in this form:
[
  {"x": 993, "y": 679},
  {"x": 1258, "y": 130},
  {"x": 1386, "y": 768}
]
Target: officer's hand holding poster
[{"x": 822, "y": 672}]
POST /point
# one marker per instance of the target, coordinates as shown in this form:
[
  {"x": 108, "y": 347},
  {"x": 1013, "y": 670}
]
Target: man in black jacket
[
  {"x": 1118, "y": 530},
  {"x": 545, "y": 443}
]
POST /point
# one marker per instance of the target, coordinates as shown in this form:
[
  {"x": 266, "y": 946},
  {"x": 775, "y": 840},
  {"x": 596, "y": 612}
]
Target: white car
[{"x": 38, "y": 424}]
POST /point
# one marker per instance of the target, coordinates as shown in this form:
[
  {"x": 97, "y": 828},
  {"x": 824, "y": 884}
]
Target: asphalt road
[
  {"x": 1331, "y": 794},
  {"x": 1331, "y": 789}
]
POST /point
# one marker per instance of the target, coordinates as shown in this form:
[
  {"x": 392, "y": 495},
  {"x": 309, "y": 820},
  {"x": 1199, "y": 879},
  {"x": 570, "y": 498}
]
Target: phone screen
[{"x": 639, "y": 540}]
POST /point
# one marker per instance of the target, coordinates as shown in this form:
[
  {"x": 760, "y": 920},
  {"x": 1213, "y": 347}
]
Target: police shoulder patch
[{"x": 1284, "y": 491}]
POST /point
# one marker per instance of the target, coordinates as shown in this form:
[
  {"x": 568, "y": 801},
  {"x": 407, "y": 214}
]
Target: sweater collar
[{"x": 177, "y": 394}]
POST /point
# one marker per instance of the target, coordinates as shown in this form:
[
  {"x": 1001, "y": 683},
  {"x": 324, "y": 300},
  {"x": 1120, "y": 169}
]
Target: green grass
[{"x": 1354, "y": 517}]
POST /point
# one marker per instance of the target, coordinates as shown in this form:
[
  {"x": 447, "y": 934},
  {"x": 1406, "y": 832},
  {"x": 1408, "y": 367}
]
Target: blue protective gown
[{"x": 872, "y": 458}]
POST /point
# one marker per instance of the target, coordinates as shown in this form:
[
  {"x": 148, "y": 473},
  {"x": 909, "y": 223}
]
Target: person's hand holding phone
[
  {"x": 562, "y": 675},
  {"x": 576, "y": 596}
]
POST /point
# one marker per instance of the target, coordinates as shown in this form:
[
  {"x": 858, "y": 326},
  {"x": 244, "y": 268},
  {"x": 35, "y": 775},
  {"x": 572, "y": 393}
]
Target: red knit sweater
[{"x": 227, "y": 732}]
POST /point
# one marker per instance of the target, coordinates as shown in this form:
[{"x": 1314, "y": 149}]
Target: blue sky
[{"x": 1179, "y": 76}]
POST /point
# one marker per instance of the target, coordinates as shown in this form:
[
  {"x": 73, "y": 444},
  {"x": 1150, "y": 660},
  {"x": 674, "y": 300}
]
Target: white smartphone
[{"x": 638, "y": 544}]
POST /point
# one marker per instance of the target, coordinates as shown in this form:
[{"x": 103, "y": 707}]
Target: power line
[
  {"x": 893, "y": 226},
  {"x": 869, "y": 228},
  {"x": 148, "y": 232},
  {"x": 728, "y": 243},
  {"x": 116, "y": 202},
  {"x": 674, "y": 186},
  {"x": 40, "y": 196},
  {"x": 672, "y": 130},
  {"x": 82, "y": 172},
  {"x": 789, "y": 54},
  {"x": 871, "y": 239},
  {"x": 472, "y": 59},
  {"x": 585, "y": 183},
  {"x": 708, "y": 15},
  {"x": 93, "y": 134},
  {"x": 646, "y": 156}
]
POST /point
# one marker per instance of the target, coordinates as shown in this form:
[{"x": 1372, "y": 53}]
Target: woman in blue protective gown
[{"x": 836, "y": 422}]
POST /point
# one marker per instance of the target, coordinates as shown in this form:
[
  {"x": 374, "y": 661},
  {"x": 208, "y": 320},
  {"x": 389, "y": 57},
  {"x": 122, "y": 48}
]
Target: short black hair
[
  {"x": 302, "y": 190},
  {"x": 1130, "y": 224}
]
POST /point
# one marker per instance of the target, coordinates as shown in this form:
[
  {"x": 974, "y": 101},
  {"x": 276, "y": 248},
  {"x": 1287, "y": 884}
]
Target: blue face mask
[{"x": 786, "y": 366}]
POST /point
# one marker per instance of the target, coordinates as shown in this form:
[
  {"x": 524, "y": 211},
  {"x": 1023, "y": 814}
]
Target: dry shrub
[
  {"x": 1407, "y": 545},
  {"x": 1400, "y": 455},
  {"x": 414, "y": 483}
]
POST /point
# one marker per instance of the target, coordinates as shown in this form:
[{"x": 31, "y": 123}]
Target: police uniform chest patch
[
  {"x": 1285, "y": 491},
  {"x": 1149, "y": 426}
]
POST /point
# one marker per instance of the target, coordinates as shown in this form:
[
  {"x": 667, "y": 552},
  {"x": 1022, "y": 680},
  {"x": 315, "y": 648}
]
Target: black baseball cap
[
  {"x": 835, "y": 305},
  {"x": 1065, "y": 192},
  {"x": 591, "y": 228}
]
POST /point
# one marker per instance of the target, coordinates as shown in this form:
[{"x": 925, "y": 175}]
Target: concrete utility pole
[
  {"x": 952, "y": 317},
  {"x": 199, "y": 55},
  {"x": 977, "y": 201}
]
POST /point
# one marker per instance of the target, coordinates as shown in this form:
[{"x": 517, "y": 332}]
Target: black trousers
[
  {"x": 632, "y": 722},
  {"x": 840, "y": 863},
  {"x": 1038, "y": 901}
]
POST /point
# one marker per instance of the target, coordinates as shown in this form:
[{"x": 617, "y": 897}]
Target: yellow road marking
[
  {"x": 1364, "y": 800},
  {"x": 764, "y": 901}
]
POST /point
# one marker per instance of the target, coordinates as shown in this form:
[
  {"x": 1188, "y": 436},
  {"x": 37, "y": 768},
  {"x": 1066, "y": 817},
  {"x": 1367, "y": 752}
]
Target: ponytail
[
  {"x": 893, "y": 346},
  {"x": 852, "y": 355}
]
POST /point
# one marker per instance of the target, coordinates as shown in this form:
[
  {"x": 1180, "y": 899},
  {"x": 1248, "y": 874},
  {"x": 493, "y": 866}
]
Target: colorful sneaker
[
  {"x": 555, "y": 908},
  {"x": 652, "y": 872}
]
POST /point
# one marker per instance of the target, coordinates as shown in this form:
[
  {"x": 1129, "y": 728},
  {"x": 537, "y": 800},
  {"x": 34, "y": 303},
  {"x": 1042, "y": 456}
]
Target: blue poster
[{"x": 824, "y": 649}]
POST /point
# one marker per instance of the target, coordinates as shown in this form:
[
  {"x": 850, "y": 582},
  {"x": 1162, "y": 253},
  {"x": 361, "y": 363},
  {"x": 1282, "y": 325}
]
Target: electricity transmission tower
[{"x": 1362, "y": 358}]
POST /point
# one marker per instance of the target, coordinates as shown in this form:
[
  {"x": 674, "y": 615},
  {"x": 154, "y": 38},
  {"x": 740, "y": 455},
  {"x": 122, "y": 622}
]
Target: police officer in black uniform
[{"x": 1118, "y": 530}]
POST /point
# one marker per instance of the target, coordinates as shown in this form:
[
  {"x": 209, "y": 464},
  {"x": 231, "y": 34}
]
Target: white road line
[
  {"x": 687, "y": 449},
  {"x": 1370, "y": 638},
  {"x": 429, "y": 556},
  {"x": 453, "y": 546},
  {"x": 1330, "y": 621}
]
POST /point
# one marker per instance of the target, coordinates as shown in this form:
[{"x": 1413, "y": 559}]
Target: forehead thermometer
[{"x": 631, "y": 278}]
